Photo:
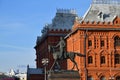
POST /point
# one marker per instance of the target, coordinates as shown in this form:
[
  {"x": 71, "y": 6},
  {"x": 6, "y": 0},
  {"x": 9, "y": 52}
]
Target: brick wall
[{"x": 101, "y": 35}]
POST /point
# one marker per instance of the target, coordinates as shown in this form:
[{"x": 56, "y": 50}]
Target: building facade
[
  {"x": 97, "y": 36},
  {"x": 61, "y": 25}
]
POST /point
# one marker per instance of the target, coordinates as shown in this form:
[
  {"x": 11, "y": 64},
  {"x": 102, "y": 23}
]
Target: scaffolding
[{"x": 106, "y": 2}]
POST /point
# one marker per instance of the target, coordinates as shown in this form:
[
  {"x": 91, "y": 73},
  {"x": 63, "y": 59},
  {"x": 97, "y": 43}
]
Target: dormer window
[{"x": 100, "y": 15}]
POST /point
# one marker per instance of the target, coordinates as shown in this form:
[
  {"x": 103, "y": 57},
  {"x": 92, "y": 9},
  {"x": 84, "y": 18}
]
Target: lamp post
[{"x": 45, "y": 62}]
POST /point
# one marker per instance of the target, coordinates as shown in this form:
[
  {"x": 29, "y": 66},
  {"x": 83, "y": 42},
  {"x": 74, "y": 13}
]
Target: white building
[{"x": 21, "y": 76}]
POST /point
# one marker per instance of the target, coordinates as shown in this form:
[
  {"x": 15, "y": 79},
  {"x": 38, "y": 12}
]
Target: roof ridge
[{"x": 106, "y": 2}]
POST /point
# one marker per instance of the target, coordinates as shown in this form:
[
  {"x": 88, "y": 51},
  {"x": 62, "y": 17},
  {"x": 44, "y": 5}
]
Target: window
[
  {"x": 117, "y": 58},
  {"x": 90, "y": 60},
  {"x": 107, "y": 43},
  {"x": 95, "y": 43},
  {"x": 89, "y": 43},
  {"x": 102, "y": 43},
  {"x": 117, "y": 41},
  {"x": 116, "y": 22},
  {"x": 102, "y": 59},
  {"x": 90, "y": 78},
  {"x": 100, "y": 15},
  {"x": 118, "y": 78},
  {"x": 102, "y": 78}
]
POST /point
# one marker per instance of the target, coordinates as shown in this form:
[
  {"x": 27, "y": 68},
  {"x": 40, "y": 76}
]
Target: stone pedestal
[{"x": 64, "y": 75}]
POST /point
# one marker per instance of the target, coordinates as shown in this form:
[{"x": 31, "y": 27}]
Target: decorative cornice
[
  {"x": 49, "y": 33},
  {"x": 58, "y": 30},
  {"x": 99, "y": 29},
  {"x": 92, "y": 29},
  {"x": 96, "y": 23}
]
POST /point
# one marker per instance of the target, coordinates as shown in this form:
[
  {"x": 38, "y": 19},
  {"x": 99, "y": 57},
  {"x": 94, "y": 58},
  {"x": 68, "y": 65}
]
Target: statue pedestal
[{"x": 64, "y": 75}]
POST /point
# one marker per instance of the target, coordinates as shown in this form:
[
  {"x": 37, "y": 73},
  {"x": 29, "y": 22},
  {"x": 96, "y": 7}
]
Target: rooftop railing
[
  {"x": 71, "y": 11},
  {"x": 106, "y": 2}
]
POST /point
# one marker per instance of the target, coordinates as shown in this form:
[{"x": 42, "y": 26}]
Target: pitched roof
[
  {"x": 35, "y": 71},
  {"x": 106, "y": 2},
  {"x": 64, "y": 19},
  {"x": 102, "y": 11}
]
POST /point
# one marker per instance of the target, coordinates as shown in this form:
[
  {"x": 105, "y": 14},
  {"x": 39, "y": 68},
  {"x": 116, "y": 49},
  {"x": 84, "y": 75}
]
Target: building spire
[{"x": 106, "y": 2}]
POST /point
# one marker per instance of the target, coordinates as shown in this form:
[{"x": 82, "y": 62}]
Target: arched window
[
  {"x": 102, "y": 59},
  {"x": 117, "y": 58},
  {"x": 117, "y": 41},
  {"x": 102, "y": 78},
  {"x": 90, "y": 78},
  {"x": 102, "y": 43},
  {"x": 118, "y": 78},
  {"x": 89, "y": 43},
  {"x": 90, "y": 60}
]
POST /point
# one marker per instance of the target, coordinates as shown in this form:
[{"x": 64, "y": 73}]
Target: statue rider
[{"x": 62, "y": 46}]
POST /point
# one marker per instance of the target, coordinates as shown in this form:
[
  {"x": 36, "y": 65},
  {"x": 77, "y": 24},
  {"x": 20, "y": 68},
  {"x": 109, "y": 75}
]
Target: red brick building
[
  {"x": 61, "y": 25},
  {"x": 97, "y": 36},
  {"x": 35, "y": 74}
]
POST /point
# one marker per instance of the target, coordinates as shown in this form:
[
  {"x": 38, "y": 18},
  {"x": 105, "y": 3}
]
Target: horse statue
[{"x": 69, "y": 55}]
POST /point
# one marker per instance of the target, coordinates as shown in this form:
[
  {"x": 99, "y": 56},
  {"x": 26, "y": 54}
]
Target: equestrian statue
[{"x": 62, "y": 54}]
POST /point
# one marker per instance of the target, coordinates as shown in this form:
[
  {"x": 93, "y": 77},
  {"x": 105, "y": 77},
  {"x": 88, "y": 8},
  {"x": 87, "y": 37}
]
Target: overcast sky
[{"x": 21, "y": 21}]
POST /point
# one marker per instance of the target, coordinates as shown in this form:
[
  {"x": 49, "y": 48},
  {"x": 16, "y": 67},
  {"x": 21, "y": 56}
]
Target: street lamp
[{"x": 45, "y": 62}]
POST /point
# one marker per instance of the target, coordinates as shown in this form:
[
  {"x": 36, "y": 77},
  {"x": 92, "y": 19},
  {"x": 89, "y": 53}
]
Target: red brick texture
[{"x": 100, "y": 49}]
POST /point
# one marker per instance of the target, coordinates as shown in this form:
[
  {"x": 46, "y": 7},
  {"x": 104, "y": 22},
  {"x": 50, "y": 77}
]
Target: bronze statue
[
  {"x": 63, "y": 54},
  {"x": 62, "y": 46}
]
